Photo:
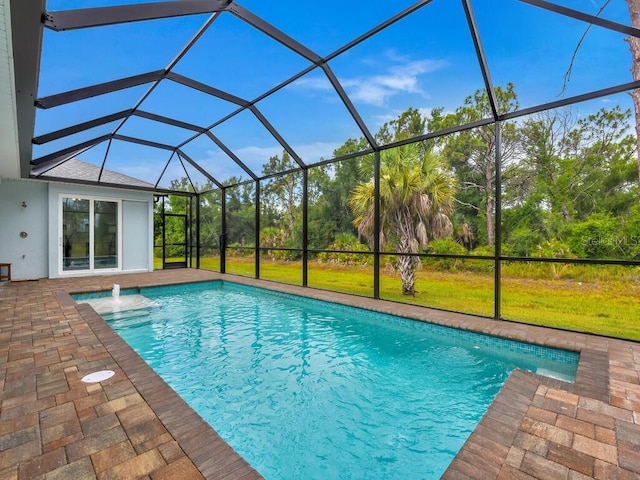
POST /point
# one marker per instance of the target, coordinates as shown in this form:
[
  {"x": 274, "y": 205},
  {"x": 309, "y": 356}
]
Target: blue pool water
[{"x": 306, "y": 389}]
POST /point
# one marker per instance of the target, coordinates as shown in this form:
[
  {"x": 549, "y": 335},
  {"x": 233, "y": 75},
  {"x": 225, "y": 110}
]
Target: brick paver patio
[{"x": 53, "y": 426}]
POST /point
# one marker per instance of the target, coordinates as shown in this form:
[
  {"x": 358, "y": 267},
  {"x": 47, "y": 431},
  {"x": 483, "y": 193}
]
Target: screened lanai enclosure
[{"x": 478, "y": 156}]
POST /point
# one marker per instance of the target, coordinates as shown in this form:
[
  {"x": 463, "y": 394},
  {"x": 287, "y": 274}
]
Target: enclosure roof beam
[
  {"x": 44, "y": 168},
  {"x": 605, "y": 92},
  {"x": 140, "y": 141},
  {"x": 95, "y": 17},
  {"x": 231, "y": 155},
  {"x": 164, "y": 169},
  {"x": 69, "y": 150},
  {"x": 168, "y": 121},
  {"x": 378, "y": 28},
  {"x": 276, "y": 135},
  {"x": 349, "y": 105},
  {"x": 585, "y": 17},
  {"x": 98, "y": 89},
  {"x": 188, "y": 82},
  {"x": 482, "y": 59},
  {"x": 274, "y": 33},
  {"x": 80, "y": 127},
  {"x": 197, "y": 166},
  {"x": 193, "y": 187}
]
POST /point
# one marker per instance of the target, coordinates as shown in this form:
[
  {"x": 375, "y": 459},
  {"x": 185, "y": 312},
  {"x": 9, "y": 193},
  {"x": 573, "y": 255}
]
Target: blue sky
[{"x": 424, "y": 61}]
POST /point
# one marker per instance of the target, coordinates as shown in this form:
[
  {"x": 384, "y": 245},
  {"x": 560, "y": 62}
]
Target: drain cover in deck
[{"x": 98, "y": 376}]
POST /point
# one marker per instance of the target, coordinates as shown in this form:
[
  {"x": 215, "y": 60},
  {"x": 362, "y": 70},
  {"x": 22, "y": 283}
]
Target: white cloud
[
  {"x": 255, "y": 157},
  {"x": 312, "y": 152},
  {"x": 313, "y": 83},
  {"x": 370, "y": 91},
  {"x": 253, "y": 154},
  {"x": 399, "y": 75},
  {"x": 402, "y": 78}
]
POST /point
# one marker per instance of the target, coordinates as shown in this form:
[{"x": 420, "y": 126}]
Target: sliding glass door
[{"x": 91, "y": 239}]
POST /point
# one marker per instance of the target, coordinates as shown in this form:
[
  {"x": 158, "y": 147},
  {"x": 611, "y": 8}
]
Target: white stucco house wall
[{"x": 41, "y": 238}]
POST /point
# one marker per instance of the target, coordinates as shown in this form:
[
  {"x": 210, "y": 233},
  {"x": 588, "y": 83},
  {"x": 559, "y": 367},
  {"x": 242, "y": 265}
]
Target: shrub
[
  {"x": 555, "y": 249},
  {"x": 482, "y": 266},
  {"x": 523, "y": 242},
  {"x": 445, "y": 246},
  {"x": 484, "y": 251},
  {"x": 597, "y": 237},
  {"x": 346, "y": 244}
]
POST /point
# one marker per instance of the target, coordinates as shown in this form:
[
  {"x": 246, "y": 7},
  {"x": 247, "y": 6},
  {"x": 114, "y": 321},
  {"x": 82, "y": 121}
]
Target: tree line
[{"x": 569, "y": 190}]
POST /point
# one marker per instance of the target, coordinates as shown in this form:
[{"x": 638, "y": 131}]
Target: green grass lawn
[{"x": 607, "y": 307}]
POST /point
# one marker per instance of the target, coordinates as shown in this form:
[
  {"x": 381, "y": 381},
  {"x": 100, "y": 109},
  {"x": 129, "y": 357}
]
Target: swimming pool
[{"x": 306, "y": 389}]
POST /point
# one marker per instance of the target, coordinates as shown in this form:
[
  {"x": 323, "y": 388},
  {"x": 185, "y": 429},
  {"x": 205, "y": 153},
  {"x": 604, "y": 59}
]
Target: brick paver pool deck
[{"x": 53, "y": 426}]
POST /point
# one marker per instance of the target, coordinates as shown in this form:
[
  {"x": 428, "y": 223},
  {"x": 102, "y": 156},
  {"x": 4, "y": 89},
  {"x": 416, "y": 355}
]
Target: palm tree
[{"x": 416, "y": 200}]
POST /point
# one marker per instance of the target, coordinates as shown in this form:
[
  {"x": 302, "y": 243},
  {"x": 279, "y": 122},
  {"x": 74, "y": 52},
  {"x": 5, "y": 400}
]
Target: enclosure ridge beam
[
  {"x": 231, "y": 155},
  {"x": 168, "y": 121},
  {"x": 98, "y": 89},
  {"x": 140, "y": 141},
  {"x": 80, "y": 127},
  {"x": 482, "y": 59},
  {"x": 64, "y": 20},
  {"x": 69, "y": 150},
  {"x": 273, "y": 32},
  {"x": 350, "y": 107},
  {"x": 585, "y": 17},
  {"x": 277, "y": 136},
  {"x": 203, "y": 87},
  {"x": 197, "y": 166}
]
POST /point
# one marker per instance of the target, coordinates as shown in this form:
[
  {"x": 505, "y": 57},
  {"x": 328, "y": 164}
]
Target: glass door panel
[
  {"x": 75, "y": 232},
  {"x": 105, "y": 234}
]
